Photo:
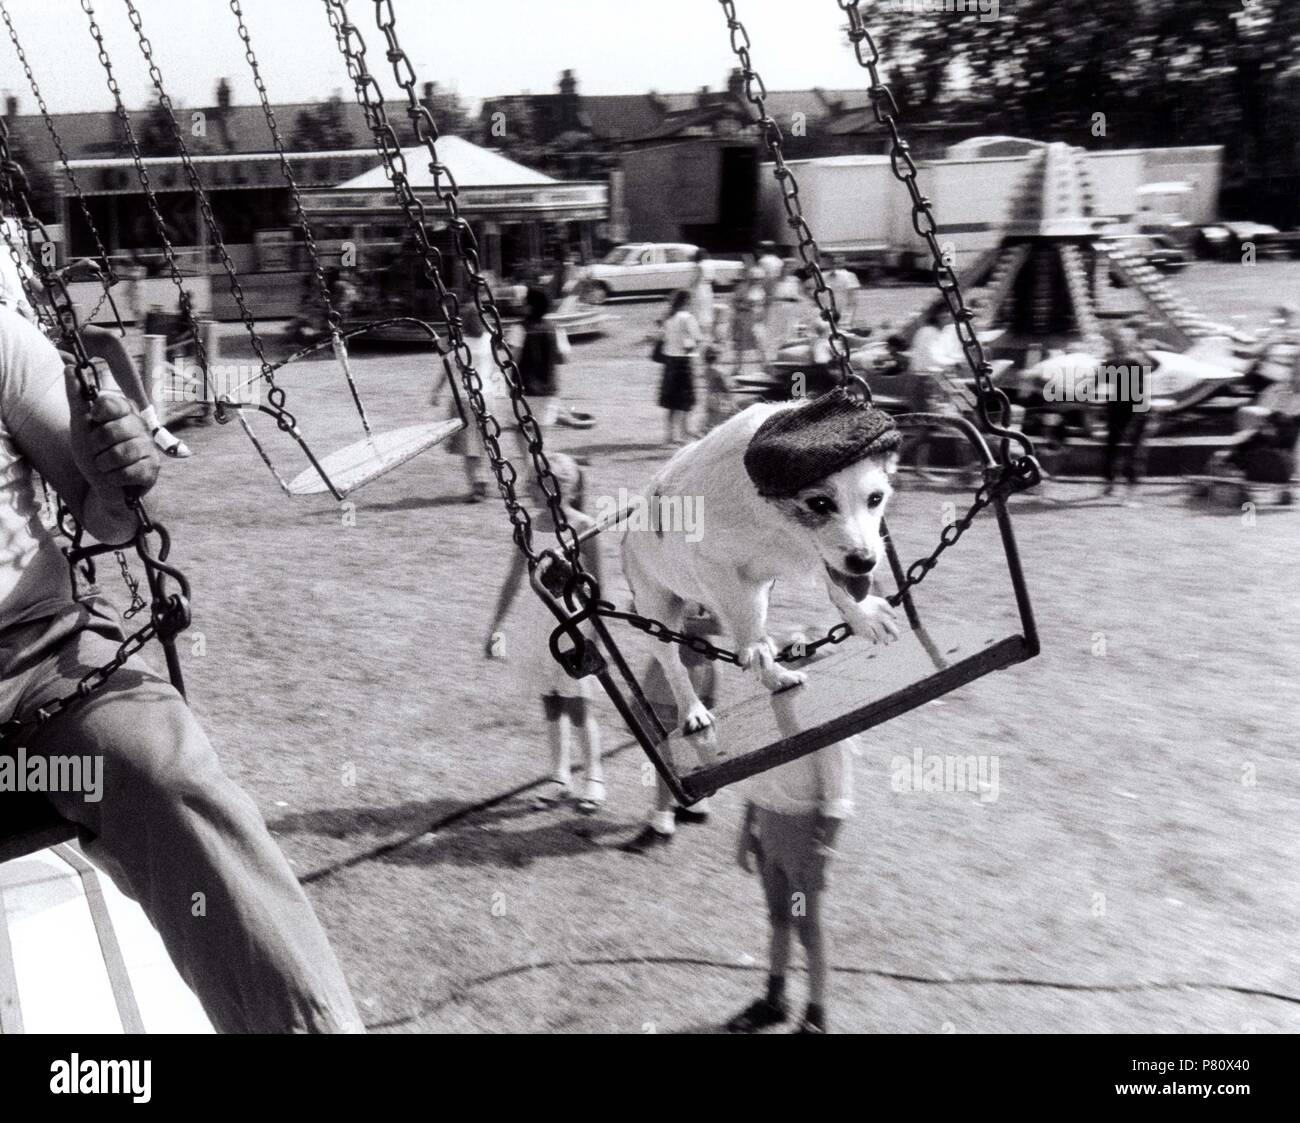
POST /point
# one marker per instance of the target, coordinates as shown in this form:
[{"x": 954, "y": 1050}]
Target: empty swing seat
[
  {"x": 368, "y": 459},
  {"x": 847, "y": 692}
]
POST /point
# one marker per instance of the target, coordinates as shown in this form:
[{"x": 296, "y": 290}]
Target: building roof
[
  {"x": 237, "y": 129},
  {"x": 634, "y": 117},
  {"x": 471, "y": 165}
]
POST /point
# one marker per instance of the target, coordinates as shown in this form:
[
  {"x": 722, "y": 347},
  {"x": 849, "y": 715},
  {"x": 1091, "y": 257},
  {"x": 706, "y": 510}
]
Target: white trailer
[
  {"x": 973, "y": 200},
  {"x": 852, "y": 205},
  {"x": 857, "y": 208}
]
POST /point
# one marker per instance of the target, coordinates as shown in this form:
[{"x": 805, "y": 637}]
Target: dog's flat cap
[{"x": 796, "y": 448}]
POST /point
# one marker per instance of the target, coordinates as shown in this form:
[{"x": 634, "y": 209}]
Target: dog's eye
[
  {"x": 821, "y": 505},
  {"x": 875, "y": 499}
]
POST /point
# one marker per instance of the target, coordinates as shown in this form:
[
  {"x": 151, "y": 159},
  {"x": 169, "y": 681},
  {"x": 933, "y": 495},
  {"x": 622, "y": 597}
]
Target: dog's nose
[{"x": 859, "y": 562}]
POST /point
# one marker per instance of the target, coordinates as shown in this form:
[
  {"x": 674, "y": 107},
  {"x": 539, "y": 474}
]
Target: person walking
[
  {"x": 681, "y": 337},
  {"x": 701, "y": 288},
  {"x": 1124, "y": 388}
]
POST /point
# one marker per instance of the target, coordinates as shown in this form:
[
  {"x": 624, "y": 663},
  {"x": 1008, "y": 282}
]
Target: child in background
[
  {"x": 566, "y": 702},
  {"x": 468, "y": 443},
  {"x": 749, "y": 338},
  {"x": 719, "y": 402},
  {"x": 822, "y": 373},
  {"x": 792, "y": 818}
]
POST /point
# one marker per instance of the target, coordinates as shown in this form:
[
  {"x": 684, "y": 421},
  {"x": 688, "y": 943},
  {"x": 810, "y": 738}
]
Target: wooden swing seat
[
  {"x": 847, "y": 692},
  {"x": 374, "y": 456}
]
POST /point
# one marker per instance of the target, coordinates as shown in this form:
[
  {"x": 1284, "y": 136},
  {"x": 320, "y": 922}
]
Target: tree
[
  {"x": 40, "y": 186},
  {"x": 450, "y": 114},
  {"x": 322, "y": 128},
  {"x": 1160, "y": 72},
  {"x": 155, "y": 134}
]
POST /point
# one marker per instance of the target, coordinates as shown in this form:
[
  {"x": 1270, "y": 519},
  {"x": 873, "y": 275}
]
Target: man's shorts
[{"x": 788, "y": 859}]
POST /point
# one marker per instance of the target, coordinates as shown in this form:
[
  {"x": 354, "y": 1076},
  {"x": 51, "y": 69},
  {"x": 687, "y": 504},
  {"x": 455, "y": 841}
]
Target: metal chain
[
  {"x": 110, "y": 276},
  {"x": 86, "y": 685},
  {"x": 1014, "y": 474},
  {"x": 1007, "y": 479},
  {"x": 318, "y": 269},
  {"x": 994, "y": 405},
  {"x": 170, "y": 612},
  {"x": 332, "y": 315},
  {"x": 466, "y": 245},
  {"x": 133, "y": 587},
  {"x": 756, "y": 95},
  {"x": 186, "y": 304},
  {"x": 352, "y": 47},
  {"x": 275, "y": 395}
]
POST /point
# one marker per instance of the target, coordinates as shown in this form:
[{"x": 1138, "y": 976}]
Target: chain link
[
  {"x": 318, "y": 269},
  {"x": 133, "y": 587},
  {"x": 1013, "y": 474},
  {"x": 170, "y": 611},
  {"x": 110, "y": 276},
  {"x": 1003, "y": 481},
  {"x": 275, "y": 395},
  {"x": 993, "y": 404},
  {"x": 184, "y": 300},
  {"x": 756, "y": 95},
  {"x": 86, "y": 685},
  {"x": 352, "y": 47}
]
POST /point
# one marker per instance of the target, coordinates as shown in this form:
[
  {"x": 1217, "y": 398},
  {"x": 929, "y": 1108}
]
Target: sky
[{"x": 479, "y": 47}]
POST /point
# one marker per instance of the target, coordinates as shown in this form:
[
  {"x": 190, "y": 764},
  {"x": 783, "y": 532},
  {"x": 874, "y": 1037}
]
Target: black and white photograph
[{"x": 704, "y": 517}]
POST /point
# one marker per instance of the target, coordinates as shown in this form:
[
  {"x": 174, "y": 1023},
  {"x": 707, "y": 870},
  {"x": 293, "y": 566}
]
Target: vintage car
[
  {"x": 650, "y": 268},
  {"x": 1227, "y": 240}
]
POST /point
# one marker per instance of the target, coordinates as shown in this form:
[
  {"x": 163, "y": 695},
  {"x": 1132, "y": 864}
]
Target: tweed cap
[{"x": 798, "y": 447}]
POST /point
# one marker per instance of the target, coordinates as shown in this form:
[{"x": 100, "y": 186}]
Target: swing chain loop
[
  {"x": 993, "y": 405},
  {"x": 352, "y": 46},
  {"x": 756, "y": 95}
]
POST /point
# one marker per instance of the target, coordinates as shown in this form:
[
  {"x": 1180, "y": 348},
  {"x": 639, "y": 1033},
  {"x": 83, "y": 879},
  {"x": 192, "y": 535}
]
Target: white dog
[{"x": 804, "y": 496}]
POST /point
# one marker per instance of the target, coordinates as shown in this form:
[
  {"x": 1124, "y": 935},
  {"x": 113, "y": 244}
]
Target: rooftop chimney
[
  {"x": 568, "y": 83},
  {"x": 11, "y": 106}
]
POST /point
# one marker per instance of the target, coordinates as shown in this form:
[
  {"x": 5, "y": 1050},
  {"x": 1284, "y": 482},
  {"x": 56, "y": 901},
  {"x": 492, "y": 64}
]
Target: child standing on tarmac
[{"x": 566, "y": 702}]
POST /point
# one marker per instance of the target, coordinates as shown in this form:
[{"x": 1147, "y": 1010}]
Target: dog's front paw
[
  {"x": 872, "y": 618},
  {"x": 697, "y": 718},
  {"x": 761, "y": 657},
  {"x": 776, "y": 677}
]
